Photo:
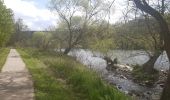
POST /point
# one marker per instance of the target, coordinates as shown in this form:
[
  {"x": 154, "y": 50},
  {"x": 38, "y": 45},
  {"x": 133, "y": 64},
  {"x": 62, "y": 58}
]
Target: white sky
[{"x": 37, "y": 16}]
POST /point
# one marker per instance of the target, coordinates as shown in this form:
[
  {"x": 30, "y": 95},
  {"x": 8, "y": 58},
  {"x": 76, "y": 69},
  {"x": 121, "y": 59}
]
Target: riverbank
[
  {"x": 61, "y": 77},
  {"x": 3, "y": 55},
  {"x": 121, "y": 78}
]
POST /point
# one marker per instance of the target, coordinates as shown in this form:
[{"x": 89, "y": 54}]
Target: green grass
[
  {"x": 3, "y": 55},
  {"x": 59, "y": 77}
]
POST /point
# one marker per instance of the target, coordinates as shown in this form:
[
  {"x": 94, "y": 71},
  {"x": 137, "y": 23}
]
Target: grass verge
[
  {"x": 58, "y": 77},
  {"x": 3, "y": 55}
]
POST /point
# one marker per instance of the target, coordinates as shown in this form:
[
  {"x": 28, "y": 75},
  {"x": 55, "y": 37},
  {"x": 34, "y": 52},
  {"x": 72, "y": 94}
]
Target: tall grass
[
  {"x": 46, "y": 86},
  {"x": 81, "y": 82},
  {"x": 3, "y": 55}
]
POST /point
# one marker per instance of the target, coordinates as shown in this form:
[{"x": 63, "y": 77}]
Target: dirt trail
[{"x": 15, "y": 80}]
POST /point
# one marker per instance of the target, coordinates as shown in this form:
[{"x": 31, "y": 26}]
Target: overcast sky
[{"x": 37, "y": 16}]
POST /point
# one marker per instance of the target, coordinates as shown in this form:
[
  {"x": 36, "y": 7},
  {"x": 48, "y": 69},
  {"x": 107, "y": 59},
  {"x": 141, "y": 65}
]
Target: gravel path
[{"x": 15, "y": 80}]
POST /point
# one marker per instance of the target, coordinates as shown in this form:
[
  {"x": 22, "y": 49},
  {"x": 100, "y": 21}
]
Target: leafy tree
[
  {"x": 101, "y": 37},
  {"x": 19, "y": 35},
  {"x": 141, "y": 34},
  {"x": 6, "y": 23},
  {"x": 135, "y": 33},
  {"x": 41, "y": 40}
]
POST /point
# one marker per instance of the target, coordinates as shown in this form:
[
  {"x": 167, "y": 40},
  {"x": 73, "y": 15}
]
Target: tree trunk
[
  {"x": 165, "y": 35},
  {"x": 67, "y": 50},
  {"x": 166, "y": 90},
  {"x": 149, "y": 65}
]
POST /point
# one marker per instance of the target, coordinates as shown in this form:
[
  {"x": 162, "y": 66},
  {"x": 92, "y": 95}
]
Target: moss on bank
[{"x": 59, "y": 77}]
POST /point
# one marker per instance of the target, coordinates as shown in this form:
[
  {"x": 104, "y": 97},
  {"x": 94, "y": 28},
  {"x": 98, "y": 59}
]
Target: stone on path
[{"x": 15, "y": 80}]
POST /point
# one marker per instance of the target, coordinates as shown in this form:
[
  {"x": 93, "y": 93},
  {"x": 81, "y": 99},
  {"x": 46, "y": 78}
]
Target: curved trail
[{"x": 15, "y": 80}]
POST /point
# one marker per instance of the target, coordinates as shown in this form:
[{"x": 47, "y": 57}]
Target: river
[{"x": 94, "y": 61}]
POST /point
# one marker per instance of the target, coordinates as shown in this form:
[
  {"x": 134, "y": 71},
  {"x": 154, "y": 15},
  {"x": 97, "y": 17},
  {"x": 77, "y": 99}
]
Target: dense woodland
[{"x": 145, "y": 26}]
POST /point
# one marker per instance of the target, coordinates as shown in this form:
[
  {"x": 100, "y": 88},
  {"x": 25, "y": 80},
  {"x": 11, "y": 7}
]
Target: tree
[
  {"x": 41, "y": 40},
  {"x": 148, "y": 27},
  {"x": 137, "y": 35},
  {"x": 68, "y": 9},
  {"x": 6, "y": 23},
  {"x": 164, "y": 33},
  {"x": 161, "y": 7},
  {"x": 157, "y": 46},
  {"x": 101, "y": 37},
  {"x": 18, "y": 36}
]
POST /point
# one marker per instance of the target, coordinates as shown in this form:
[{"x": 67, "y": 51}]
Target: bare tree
[
  {"x": 151, "y": 29},
  {"x": 68, "y": 9}
]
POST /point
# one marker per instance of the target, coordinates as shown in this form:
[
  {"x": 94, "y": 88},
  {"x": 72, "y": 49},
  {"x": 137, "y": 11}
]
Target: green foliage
[
  {"x": 3, "y": 55},
  {"x": 103, "y": 45},
  {"x": 75, "y": 27},
  {"x": 81, "y": 83},
  {"x": 41, "y": 40},
  {"x": 137, "y": 35},
  {"x": 101, "y": 38},
  {"x": 19, "y": 37},
  {"x": 6, "y": 23}
]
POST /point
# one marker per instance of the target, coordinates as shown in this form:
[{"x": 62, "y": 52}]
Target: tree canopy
[{"x": 6, "y": 23}]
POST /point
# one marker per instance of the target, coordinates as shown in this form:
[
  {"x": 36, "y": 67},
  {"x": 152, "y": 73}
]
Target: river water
[{"x": 94, "y": 61}]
